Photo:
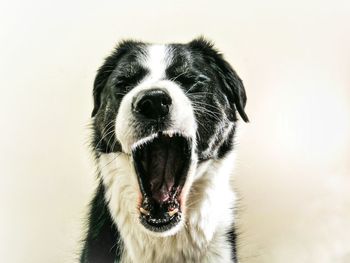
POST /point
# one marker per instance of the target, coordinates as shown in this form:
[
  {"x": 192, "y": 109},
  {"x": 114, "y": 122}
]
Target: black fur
[
  {"x": 231, "y": 237},
  {"x": 231, "y": 84},
  {"x": 206, "y": 78},
  {"x": 103, "y": 243}
]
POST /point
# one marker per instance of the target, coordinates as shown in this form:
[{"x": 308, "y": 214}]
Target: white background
[{"x": 293, "y": 167}]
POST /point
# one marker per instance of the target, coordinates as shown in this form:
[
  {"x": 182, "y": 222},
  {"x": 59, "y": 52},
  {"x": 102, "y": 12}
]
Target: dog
[{"x": 164, "y": 123}]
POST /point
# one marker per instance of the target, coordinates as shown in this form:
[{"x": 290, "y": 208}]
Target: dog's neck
[{"x": 209, "y": 214}]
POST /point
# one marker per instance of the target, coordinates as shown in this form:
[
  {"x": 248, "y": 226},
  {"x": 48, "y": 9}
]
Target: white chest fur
[{"x": 208, "y": 215}]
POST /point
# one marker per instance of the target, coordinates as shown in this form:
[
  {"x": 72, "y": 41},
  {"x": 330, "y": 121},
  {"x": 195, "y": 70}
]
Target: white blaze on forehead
[{"x": 156, "y": 61}]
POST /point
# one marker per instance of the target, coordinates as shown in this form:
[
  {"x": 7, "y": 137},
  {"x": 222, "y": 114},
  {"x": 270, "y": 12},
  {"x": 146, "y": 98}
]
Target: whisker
[
  {"x": 105, "y": 132},
  {"x": 209, "y": 105},
  {"x": 208, "y": 113},
  {"x": 117, "y": 154},
  {"x": 182, "y": 73}
]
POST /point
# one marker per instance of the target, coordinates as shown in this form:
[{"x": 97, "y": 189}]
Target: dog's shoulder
[{"x": 102, "y": 243}]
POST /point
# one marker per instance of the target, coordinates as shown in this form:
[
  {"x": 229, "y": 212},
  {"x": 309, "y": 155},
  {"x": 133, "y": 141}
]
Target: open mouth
[{"x": 162, "y": 165}]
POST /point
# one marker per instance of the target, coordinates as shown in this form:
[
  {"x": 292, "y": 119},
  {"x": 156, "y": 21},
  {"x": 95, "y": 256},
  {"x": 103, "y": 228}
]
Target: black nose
[{"x": 152, "y": 104}]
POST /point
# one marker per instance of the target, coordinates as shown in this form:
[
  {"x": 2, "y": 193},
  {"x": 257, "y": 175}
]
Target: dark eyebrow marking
[
  {"x": 178, "y": 66},
  {"x": 130, "y": 69},
  {"x": 130, "y": 74}
]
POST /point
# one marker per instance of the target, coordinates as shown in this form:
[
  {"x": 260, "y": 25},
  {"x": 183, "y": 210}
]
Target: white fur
[
  {"x": 156, "y": 61},
  {"x": 223, "y": 129},
  {"x": 208, "y": 214}
]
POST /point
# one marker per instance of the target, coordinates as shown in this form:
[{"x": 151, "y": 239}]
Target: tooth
[
  {"x": 144, "y": 211},
  {"x": 173, "y": 212}
]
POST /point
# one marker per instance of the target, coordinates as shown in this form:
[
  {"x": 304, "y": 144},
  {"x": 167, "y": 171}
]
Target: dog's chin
[{"x": 162, "y": 164}]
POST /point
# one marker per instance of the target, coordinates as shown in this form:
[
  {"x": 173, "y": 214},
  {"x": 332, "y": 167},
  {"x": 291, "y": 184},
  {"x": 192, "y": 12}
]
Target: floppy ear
[
  {"x": 106, "y": 70},
  {"x": 232, "y": 84},
  {"x": 101, "y": 78}
]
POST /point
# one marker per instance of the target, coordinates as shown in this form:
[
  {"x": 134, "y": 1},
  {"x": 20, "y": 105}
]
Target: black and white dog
[{"x": 164, "y": 122}]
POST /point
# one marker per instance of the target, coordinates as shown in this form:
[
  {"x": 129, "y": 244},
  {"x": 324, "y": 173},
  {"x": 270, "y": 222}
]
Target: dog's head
[{"x": 169, "y": 108}]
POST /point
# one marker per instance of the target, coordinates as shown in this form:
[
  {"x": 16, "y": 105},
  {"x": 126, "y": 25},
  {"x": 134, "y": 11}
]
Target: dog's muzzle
[{"x": 162, "y": 164}]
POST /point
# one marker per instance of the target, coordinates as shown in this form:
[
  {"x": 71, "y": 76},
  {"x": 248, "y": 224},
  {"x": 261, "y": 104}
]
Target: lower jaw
[
  {"x": 158, "y": 217},
  {"x": 161, "y": 228},
  {"x": 175, "y": 226}
]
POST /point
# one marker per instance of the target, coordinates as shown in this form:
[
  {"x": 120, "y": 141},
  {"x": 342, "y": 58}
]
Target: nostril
[
  {"x": 152, "y": 104},
  {"x": 145, "y": 106}
]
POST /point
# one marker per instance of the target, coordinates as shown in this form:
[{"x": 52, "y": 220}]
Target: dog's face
[{"x": 169, "y": 108}]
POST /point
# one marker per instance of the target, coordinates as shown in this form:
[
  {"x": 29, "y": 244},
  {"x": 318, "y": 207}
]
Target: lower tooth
[
  {"x": 144, "y": 211},
  {"x": 173, "y": 212}
]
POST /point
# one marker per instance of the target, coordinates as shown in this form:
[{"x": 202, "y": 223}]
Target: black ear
[
  {"x": 227, "y": 75},
  {"x": 101, "y": 78},
  {"x": 106, "y": 69}
]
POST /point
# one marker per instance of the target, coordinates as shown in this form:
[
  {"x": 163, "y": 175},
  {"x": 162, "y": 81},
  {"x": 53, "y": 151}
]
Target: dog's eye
[
  {"x": 129, "y": 79},
  {"x": 120, "y": 84},
  {"x": 203, "y": 79},
  {"x": 186, "y": 80},
  {"x": 199, "y": 85}
]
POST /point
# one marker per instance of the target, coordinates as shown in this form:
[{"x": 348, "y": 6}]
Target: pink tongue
[
  {"x": 162, "y": 172},
  {"x": 161, "y": 196}
]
